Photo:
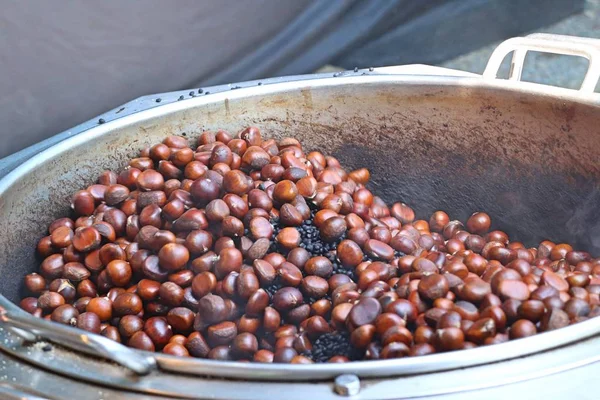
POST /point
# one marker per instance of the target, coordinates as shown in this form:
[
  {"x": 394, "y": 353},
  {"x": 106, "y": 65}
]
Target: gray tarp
[{"x": 65, "y": 61}]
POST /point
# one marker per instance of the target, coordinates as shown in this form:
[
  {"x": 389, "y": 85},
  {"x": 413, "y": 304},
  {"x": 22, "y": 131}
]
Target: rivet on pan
[
  {"x": 347, "y": 385},
  {"x": 101, "y": 121}
]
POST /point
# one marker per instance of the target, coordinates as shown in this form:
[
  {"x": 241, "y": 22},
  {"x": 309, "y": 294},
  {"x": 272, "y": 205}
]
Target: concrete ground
[{"x": 552, "y": 69}]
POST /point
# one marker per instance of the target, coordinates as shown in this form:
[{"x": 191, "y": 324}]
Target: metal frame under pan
[{"x": 547, "y": 353}]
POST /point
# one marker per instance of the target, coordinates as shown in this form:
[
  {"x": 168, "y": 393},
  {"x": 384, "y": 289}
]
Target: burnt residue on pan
[{"x": 537, "y": 185}]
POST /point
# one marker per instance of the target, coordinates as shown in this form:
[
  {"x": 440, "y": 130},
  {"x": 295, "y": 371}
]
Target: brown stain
[
  {"x": 227, "y": 109},
  {"x": 274, "y": 102},
  {"x": 307, "y": 96},
  {"x": 566, "y": 112},
  {"x": 570, "y": 111}
]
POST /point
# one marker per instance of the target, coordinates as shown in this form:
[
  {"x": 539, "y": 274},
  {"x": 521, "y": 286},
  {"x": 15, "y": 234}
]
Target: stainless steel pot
[{"x": 432, "y": 137}]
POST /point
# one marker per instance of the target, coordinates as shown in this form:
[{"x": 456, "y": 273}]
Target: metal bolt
[{"x": 347, "y": 385}]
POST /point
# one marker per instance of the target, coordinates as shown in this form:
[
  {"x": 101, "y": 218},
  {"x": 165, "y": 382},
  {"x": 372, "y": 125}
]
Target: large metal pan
[{"x": 434, "y": 138}]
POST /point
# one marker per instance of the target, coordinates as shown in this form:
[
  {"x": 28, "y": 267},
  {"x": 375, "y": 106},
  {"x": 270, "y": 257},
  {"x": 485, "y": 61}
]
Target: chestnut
[
  {"x": 159, "y": 332},
  {"x": 65, "y": 314},
  {"x": 173, "y": 256},
  {"x": 88, "y": 321}
]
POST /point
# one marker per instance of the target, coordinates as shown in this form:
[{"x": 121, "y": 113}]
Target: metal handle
[
  {"x": 14, "y": 392},
  {"x": 547, "y": 43},
  {"x": 78, "y": 340}
]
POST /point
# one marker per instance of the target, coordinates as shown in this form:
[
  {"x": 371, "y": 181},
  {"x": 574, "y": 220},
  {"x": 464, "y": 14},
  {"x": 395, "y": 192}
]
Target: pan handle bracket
[
  {"x": 547, "y": 43},
  {"x": 35, "y": 329}
]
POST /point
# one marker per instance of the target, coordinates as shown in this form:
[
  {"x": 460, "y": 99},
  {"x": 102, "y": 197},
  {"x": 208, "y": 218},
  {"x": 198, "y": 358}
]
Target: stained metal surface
[
  {"x": 526, "y": 154},
  {"x": 24, "y": 381}
]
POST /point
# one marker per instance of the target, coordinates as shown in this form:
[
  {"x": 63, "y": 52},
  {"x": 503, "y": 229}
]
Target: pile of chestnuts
[{"x": 242, "y": 248}]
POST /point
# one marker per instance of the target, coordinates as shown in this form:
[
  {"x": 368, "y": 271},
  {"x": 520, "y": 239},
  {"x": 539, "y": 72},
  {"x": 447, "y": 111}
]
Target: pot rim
[{"x": 379, "y": 368}]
